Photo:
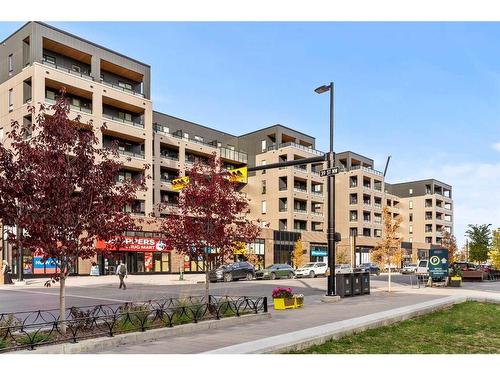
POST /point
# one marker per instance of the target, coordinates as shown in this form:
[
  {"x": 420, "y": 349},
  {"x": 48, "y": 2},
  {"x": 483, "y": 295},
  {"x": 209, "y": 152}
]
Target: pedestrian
[
  {"x": 121, "y": 271},
  {"x": 7, "y": 273}
]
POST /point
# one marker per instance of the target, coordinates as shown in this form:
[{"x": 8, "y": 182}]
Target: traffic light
[
  {"x": 238, "y": 174},
  {"x": 180, "y": 183}
]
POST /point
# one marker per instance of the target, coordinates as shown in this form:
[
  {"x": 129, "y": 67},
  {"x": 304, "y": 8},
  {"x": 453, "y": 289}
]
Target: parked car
[
  {"x": 423, "y": 267},
  {"x": 409, "y": 268},
  {"x": 343, "y": 268},
  {"x": 311, "y": 270},
  {"x": 233, "y": 271},
  {"x": 276, "y": 271},
  {"x": 369, "y": 267}
]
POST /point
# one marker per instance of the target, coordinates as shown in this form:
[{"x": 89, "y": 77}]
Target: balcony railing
[
  {"x": 126, "y": 122},
  {"x": 299, "y": 211},
  {"x": 169, "y": 157},
  {"x": 317, "y": 213},
  {"x": 71, "y": 106},
  {"x": 67, "y": 70},
  {"x": 299, "y": 190},
  {"x": 317, "y": 193},
  {"x": 369, "y": 170},
  {"x": 300, "y": 169},
  {"x": 300, "y": 147},
  {"x": 377, "y": 205},
  {"x": 133, "y": 154},
  {"x": 239, "y": 156},
  {"x": 124, "y": 89},
  {"x": 158, "y": 128}
]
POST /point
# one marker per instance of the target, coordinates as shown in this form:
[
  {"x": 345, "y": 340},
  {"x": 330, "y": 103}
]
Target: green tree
[
  {"x": 479, "y": 242},
  {"x": 494, "y": 252}
]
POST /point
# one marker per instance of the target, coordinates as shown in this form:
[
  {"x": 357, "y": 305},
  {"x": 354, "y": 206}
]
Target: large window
[
  {"x": 11, "y": 64},
  {"x": 263, "y": 207}
]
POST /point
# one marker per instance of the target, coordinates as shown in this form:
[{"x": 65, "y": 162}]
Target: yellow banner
[
  {"x": 238, "y": 174},
  {"x": 180, "y": 183}
]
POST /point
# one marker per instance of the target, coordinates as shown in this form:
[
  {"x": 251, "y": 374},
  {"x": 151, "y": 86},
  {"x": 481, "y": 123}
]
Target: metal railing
[
  {"x": 299, "y": 190},
  {"x": 300, "y": 147},
  {"x": 67, "y": 70},
  {"x": 369, "y": 170},
  {"x": 299, "y": 211},
  {"x": 126, "y": 122},
  {"x": 118, "y": 87},
  {"x": 71, "y": 106},
  {"x": 169, "y": 157},
  {"x": 300, "y": 169},
  {"x": 139, "y": 155},
  {"x": 30, "y": 329}
]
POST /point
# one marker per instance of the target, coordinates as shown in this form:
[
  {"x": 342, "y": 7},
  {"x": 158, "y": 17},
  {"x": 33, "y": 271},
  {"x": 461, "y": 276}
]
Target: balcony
[
  {"x": 314, "y": 213},
  {"x": 134, "y": 154},
  {"x": 365, "y": 169},
  {"x": 122, "y": 88},
  {"x": 68, "y": 70},
  {"x": 297, "y": 146},
  {"x": 86, "y": 108},
  {"x": 239, "y": 156},
  {"x": 300, "y": 190},
  {"x": 317, "y": 193},
  {"x": 137, "y": 123},
  {"x": 169, "y": 157},
  {"x": 300, "y": 210},
  {"x": 300, "y": 169}
]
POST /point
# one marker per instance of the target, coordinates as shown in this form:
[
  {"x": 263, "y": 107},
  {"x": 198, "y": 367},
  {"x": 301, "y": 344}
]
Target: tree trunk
[
  {"x": 389, "y": 277},
  {"x": 62, "y": 302},
  {"x": 207, "y": 282}
]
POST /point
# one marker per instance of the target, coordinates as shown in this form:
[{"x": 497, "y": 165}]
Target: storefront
[
  {"x": 319, "y": 253},
  {"x": 142, "y": 252}
]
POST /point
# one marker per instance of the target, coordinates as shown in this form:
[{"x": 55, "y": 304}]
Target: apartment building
[
  {"x": 102, "y": 86},
  {"x": 290, "y": 203}
]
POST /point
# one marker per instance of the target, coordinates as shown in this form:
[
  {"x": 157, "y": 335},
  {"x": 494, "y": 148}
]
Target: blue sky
[{"x": 426, "y": 93}]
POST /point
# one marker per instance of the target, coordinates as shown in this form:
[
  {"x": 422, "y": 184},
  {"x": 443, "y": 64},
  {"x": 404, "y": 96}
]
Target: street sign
[
  {"x": 438, "y": 263},
  {"x": 238, "y": 174},
  {"x": 180, "y": 183},
  {"x": 329, "y": 172}
]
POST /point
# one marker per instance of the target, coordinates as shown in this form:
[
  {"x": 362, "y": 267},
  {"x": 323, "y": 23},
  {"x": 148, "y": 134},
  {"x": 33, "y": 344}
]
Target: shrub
[{"x": 282, "y": 293}]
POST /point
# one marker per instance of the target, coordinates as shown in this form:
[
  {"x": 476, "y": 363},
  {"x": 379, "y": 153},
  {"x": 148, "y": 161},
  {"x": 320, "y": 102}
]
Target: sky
[{"x": 428, "y": 94}]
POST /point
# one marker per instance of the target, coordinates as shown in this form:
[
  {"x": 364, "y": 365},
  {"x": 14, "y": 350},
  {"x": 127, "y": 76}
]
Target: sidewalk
[
  {"x": 314, "y": 314},
  {"x": 171, "y": 279}
]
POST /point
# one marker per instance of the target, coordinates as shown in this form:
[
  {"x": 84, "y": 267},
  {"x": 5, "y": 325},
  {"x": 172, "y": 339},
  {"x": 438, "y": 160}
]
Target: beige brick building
[{"x": 104, "y": 86}]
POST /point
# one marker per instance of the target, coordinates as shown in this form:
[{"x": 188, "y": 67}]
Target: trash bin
[
  {"x": 343, "y": 282},
  {"x": 356, "y": 283},
  {"x": 365, "y": 282}
]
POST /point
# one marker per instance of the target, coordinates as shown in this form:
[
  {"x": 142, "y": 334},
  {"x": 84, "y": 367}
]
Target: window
[
  {"x": 410, "y": 218},
  {"x": 263, "y": 145},
  {"x": 410, "y": 205},
  {"x": 125, "y": 85},
  {"x": 411, "y": 239},
  {"x": 263, "y": 163},
  {"x": 410, "y": 191},
  {"x": 11, "y": 64},
  {"x": 49, "y": 59},
  {"x": 410, "y": 229},
  {"x": 186, "y": 135},
  {"x": 263, "y": 186},
  {"x": 11, "y": 105},
  {"x": 263, "y": 207},
  {"x": 198, "y": 138},
  {"x": 1, "y": 134}
]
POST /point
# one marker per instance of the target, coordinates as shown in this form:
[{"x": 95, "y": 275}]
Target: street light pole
[{"x": 331, "y": 291}]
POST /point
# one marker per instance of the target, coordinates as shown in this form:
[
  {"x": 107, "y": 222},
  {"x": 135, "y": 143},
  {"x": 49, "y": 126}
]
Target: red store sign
[{"x": 132, "y": 244}]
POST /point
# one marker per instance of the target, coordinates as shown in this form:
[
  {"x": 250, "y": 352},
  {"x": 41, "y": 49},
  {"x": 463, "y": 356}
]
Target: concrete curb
[
  {"x": 305, "y": 338},
  {"x": 103, "y": 343}
]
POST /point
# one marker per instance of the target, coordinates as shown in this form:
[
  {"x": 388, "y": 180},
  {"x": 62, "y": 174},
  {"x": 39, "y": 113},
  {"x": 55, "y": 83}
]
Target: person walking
[
  {"x": 121, "y": 271},
  {"x": 7, "y": 273}
]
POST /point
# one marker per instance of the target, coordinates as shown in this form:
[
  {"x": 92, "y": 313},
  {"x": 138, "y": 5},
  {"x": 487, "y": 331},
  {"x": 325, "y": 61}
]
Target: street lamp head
[{"x": 322, "y": 89}]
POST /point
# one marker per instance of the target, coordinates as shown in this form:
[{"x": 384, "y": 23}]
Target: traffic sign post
[
  {"x": 438, "y": 264},
  {"x": 329, "y": 172}
]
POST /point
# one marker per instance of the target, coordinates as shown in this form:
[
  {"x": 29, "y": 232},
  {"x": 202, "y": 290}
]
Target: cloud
[
  {"x": 475, "y": 190},
  {"x": 496, "y": 146}
]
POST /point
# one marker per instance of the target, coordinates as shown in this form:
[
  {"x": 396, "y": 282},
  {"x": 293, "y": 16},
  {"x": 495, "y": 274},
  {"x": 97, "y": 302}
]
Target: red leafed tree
[
  {"x": 209, "y": 222},
  {"x": 63, "y": 191}
]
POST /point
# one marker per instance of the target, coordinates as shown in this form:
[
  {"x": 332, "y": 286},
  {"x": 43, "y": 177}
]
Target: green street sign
[{"x": 438, "y": 263}]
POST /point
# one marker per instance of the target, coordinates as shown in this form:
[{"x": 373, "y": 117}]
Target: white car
[
  {"x": 311, "y": 270},
  {"x": 409, "y": 268},
  {"x": 343, "y": 268},
  {"x": 423, "y": 267}
]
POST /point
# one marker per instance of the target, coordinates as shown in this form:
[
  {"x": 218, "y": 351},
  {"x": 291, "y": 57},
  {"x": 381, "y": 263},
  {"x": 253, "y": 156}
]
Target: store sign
[
  {"x": 132, "y": 244},
  {"x": 319, "y": 251}
]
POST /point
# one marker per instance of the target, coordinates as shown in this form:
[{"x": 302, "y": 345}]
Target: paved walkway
[{"x": 314, "y": 313}]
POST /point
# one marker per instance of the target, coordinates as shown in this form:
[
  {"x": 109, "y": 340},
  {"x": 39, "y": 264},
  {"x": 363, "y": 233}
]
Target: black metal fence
[{"x": 29, "y": 329}]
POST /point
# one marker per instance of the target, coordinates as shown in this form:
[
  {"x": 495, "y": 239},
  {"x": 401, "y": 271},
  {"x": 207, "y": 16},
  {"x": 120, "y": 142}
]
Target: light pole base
[
  {"x": 17, "y": 282},
  {"x": 330, "y": 299}
]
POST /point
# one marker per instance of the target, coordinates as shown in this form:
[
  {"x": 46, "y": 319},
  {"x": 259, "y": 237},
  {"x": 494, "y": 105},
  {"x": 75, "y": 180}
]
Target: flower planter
[
  {"x": 288, "y": 303},
  {"x": 456, "y": 281}
]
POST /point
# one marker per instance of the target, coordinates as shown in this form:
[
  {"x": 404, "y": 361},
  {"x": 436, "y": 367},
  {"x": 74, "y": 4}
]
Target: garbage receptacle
[
  {"x": 344, "y": 284},
  {"x": 365, "y": 283},
  {"x": 356, "y": 284}
]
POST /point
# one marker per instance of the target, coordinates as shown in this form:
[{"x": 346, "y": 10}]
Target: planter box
[
  {"x": 455, "y": 281},
  {"x": 288, "y": 303}
]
